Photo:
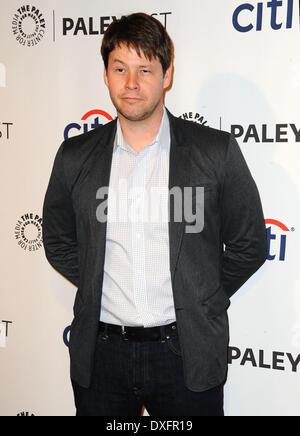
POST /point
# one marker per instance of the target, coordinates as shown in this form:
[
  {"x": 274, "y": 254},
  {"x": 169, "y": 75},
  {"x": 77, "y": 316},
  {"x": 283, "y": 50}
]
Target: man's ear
[
  {"x": 105, "y": 77},
  {"x": 168, "y": 76}
]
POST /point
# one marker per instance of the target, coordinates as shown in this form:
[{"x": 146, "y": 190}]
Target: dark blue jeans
[{"x": 129, "y": 375}]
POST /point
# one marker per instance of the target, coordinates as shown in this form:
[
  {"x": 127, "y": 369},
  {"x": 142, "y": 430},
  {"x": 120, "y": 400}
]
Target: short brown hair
[{"x": 141, "y": 32}]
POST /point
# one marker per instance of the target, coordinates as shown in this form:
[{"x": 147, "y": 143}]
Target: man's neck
[{"x": 139, "y": 134}]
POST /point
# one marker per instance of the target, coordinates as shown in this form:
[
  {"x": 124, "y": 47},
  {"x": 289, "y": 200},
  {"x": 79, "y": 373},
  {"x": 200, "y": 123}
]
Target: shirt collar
[{"x": 162, "y": 137}]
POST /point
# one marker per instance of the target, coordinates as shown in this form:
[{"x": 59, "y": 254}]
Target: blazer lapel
[
  {"x": 179, "y": 175},
  {"x": 99, "y": 178}
]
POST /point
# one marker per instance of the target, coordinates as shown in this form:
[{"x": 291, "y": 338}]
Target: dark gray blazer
[{"x": 206, "y": 268}]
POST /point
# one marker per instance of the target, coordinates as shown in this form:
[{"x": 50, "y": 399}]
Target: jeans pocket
[{"x": 173, "y": 344}]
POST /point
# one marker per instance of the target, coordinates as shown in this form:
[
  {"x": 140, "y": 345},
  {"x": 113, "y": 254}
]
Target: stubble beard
[{"x": 139, "y": 115}]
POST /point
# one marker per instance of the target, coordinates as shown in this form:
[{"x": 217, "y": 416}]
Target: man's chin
[{"x": 134, "y": 116}]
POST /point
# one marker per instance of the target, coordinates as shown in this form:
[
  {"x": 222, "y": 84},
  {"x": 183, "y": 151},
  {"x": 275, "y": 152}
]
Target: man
[{"x": 150, "y": 323}]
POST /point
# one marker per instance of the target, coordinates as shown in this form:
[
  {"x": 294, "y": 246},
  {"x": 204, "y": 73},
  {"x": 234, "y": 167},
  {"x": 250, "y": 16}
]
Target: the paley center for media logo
[
  {"x": 28, "y": 25},
  {"x": 28, "y": 232}
]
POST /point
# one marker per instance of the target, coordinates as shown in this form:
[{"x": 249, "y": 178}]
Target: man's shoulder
[
  {"x": 206, "y": 140},
  {"x": 78, "y": 152},
  {"x": 200, "y": 130}
]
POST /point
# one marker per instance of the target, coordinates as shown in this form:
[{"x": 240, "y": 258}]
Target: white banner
[{"x": 237, "y": 67}]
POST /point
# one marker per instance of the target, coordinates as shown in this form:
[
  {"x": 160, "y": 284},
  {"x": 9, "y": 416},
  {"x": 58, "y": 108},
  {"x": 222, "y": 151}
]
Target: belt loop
[
  {"x": 105, "y": 331},
  {"x": 124, "y": 333},
  {"x": 162, "y": 333}
]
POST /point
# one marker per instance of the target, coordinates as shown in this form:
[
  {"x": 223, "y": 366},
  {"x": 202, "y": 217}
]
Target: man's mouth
[{"x": 131, "y": 98}]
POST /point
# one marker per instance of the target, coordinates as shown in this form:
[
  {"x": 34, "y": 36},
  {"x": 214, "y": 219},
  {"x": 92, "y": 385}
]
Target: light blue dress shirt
[{"x": 137, "y": 289}]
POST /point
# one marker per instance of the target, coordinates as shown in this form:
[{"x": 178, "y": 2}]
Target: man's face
[{"x": 135, "y": 84}]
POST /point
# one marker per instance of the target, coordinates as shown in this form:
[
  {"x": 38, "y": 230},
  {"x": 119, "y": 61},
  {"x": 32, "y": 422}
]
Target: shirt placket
[{"x": 138, "y": 198}]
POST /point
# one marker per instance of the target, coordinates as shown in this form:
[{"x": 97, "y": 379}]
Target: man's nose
[{"x": 132, "y": 81}]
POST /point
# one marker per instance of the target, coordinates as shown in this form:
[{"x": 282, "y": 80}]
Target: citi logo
[
  {"x": 66, "y": 335},
  {"x": 276, "y": 239},
  {"x": 274, "y": 14},
  {"x": 88, "y": 124}
]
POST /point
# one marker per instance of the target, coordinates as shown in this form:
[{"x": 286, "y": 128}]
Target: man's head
[{"x": 137, "y": 54}]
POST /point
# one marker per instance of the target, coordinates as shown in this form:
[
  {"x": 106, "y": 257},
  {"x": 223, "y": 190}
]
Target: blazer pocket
[
  {"x": 205, "y": 192},
  {"x": 197, "y": 190},
  {"x": 216, "y": 304},
  {"x": 208, "y": 185}
]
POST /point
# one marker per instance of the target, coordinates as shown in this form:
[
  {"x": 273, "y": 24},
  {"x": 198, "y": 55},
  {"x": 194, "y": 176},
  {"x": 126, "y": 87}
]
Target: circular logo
[
  {"x": 25, "y": 414},
  {"x": 28, "y": 232},
  {"x": 196, "y": 117},
  {"x": 28, "y": 26}
]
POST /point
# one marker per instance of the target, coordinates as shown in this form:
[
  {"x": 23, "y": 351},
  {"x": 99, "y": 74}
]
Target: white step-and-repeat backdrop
[{"x": 237, "y": 67}]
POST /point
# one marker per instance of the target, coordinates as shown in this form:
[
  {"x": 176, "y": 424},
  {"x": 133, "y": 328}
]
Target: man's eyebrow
[
  {"x": 119, "y": 61},
  {"x": 115, "y": 61}
]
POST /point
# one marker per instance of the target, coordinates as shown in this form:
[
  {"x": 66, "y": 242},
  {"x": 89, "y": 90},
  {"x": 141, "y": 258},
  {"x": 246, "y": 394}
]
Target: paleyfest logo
[
  {"x": 94, "y": 26},
  {"x": 28, "y": 26}
]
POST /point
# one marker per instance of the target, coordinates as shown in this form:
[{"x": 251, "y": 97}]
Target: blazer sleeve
[
  {"x": 243, "y": 225},
  {"x": 59, "y": 223}
]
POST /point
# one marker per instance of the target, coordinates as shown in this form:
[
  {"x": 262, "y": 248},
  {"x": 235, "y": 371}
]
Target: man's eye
[{"x": 120, "y": 70}]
